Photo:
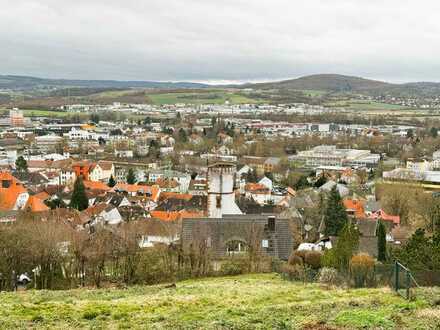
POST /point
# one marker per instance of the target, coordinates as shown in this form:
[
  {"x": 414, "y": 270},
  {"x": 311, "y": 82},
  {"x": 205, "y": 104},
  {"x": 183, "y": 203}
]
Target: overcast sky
[{"x": 206, "y": 40}]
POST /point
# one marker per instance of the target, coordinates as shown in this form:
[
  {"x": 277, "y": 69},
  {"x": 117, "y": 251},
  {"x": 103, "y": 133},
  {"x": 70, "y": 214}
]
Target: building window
[
  {"x": 218, "y": 202},
  {"x": 6, "y": 183},
  {"x": 236, "y": 247},
  {"x": 271, "y": 223}
]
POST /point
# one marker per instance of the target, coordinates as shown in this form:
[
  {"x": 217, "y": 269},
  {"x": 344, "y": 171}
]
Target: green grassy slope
[
  {"x": 211, "y": 97},
  {"x": 38, "y": 112},
  {"x": 363, "y": 105},
  {"x": 245, "y": 302}
]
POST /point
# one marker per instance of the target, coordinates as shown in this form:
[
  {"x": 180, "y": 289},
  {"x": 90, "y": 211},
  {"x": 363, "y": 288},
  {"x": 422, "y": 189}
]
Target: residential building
[
  {"x": 234, "y": 234},
  {"x": 13, "y": 195},
  {"x": 101, "y": 171}
]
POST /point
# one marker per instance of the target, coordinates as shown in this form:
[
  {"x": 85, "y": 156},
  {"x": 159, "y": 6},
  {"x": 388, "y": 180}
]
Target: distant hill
[
  {"x": 25, "y": 82},
  {"x": 330, "y": 83},
  {"x": 326, "y": 82},
  {"x": 339, "y": 83}
]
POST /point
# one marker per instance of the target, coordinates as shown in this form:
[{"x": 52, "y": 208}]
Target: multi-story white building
[
  {"x": 331, "y": 156},
  {"x": 183, "y": 179},
  {"x": 102, "y": 171},
  {"x": 67, "y": 176},
  {"x": 48, "y": 142},
  {"x": 80, "y": 134}
]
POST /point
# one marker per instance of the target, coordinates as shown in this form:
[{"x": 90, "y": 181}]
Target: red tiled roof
[
  {"x": 34, "y": 204},
  {"x": 105, "y": 165},
  {"x": 95, "y": 209},
  {"x": 154, "y": 190},
  {"x": 175, "y": 215},
  {"x": 355, "y": 205},
  {"x": 96, "y": 185},
  {"x": 9, "y": 194},
  {"x": 380, "y": 214},
  {"x": 257, "y": 188},
  {"x": 175, "y": 195},
  {"x": 42, "y": 195},
  {"x": 167, "y": 183}
]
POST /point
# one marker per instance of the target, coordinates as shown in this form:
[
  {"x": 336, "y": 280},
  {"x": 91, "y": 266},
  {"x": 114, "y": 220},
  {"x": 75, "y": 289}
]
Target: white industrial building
[{"x": 331, "y": 156}]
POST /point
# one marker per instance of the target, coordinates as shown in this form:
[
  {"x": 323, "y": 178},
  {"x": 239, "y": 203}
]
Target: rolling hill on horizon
[
  {"x": 334, "y": 83},
  {"x": 28, "y": 82},
  {"x": 327, "y": 83}
]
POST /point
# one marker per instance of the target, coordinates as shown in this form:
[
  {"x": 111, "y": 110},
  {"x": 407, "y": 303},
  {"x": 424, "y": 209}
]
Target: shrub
[
  {"x": 310, "y": 274},
  {"x": 313, "y": 259},
  {"x": 266, "y": 265},
  {"x": 293, "y": 272},
  {"x": 328, "y": 275},
  {"x": 300, "y": 253},
  {"x": 340, "y": 255},
  {"x": 362, "y": 269},
  {"x": 234, "y": 267},
  {"x": 329, "y": 259},
  {"x": 276, "y": 265},
  {"x": 295, "y": 260}
]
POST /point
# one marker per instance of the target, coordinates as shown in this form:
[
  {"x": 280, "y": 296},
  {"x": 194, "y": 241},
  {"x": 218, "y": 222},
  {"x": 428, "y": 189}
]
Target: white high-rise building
[{"x": 221, "y": 196}]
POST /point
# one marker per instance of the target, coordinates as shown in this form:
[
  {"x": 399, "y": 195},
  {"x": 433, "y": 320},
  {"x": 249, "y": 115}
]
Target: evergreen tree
[
  {"x": 301, "y": 183},
  {"x": 213, "y": 121},
  {"x": 21, "y": 164},
  {"x": 111, "y": 181},
  {"x": 182, "y": 136},
  {"x": 347, "y": 245},
  {"x": 321, "y": 180},
  {"x": 251, "y": 176},
  {"x": 269, "y": 175},
  {"x": 79, "y": 199},
  {"x": 55, "y": 203},
  {"x": 335, "y": 216},
  {"x": 421, "y": 252},
  {"x": 131, "y": 177},
  {"x": 154, "y": 150},
  {"x": 381, "y": 243},
  {"x": 94, "y": 118}
]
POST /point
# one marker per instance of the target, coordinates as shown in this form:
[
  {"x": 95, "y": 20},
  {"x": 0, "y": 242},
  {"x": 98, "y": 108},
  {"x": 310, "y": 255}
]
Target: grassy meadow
[
  {"x": 262, "y": 301},
  {"x": 354, "y": 104},
  {"x": 209, "y": 97},
  {"x": 40, "y": 113}
]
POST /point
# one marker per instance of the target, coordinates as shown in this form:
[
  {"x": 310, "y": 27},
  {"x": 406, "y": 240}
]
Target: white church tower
[{"x": 221, "y": 196}]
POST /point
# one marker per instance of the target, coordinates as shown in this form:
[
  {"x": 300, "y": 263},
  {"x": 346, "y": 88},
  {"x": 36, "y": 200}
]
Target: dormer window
[{"x": 6, "y": 183}]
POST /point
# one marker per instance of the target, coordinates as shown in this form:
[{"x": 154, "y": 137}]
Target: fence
[
  {"x": 394, "y": 275},
  {"x": 403, "y": 280}
]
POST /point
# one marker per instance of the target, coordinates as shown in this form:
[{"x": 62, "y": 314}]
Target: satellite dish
[{"x": 308, "y": 227}]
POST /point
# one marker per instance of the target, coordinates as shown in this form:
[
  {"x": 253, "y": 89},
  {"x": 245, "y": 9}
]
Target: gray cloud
[{"x": 220, "y": 40}]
